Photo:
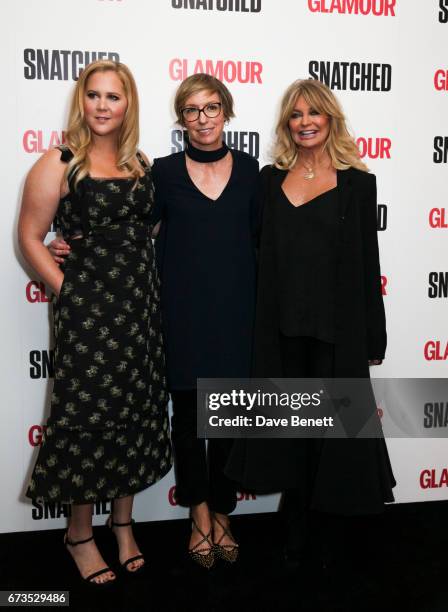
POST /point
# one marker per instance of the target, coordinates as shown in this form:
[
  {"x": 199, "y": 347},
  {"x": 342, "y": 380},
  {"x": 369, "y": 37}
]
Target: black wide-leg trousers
[
  {"x": 199, "y": 470},
  {"x": 303, "y": 357}
]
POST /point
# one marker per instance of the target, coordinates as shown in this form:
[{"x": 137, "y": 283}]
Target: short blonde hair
[
  {"x": 202, "y": 82},
  {"x": 78, "y": 136},
  {"x": 340, "y": 145}
]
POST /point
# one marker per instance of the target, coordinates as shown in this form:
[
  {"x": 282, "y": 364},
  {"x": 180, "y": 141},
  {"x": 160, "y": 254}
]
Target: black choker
[{"x": 206, "y": 157}]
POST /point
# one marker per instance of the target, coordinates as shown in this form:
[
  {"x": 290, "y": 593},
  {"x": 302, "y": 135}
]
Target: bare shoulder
[
  {"x": 49, "y": 167},
  {"x": 46, "y": 176}
]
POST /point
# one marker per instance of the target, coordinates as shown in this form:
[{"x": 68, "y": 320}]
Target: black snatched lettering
[
  {"x": 352, "y": 76},
  {"x": 60, "y": 65}
]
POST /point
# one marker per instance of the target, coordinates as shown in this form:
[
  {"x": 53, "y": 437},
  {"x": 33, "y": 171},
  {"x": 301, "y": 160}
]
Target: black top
[
  {"x": 360, "y": 326},
  {"x": 206, "y": 257},
  {"x": 77, "y": 213},
  {"x": 306, "y": 257}
]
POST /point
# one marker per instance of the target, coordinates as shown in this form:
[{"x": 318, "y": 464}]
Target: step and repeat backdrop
[{"x": 387, "y": 62}]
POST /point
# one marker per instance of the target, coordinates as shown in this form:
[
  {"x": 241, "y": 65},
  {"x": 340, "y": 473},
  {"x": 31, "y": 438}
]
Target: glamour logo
[
  {"x": 443, "y": 12},
  {"x": 57, "y": 65},
  {"x": 436, "y": 415},
  {"x": 242, "y": 6},
  {"x": 38, "y": 141},
  {"x": 245, "y": 497},
  {"x": 243, "y": 141},
  {"x": 374, "y": 148},
  {"x": 172, "y": 496},
  {"x": 225, "y": 70},
  {"x": 438, "y": 285},
  {"x": 441, "y": 80},
  {"x": 434, "y": 350},
  {"x": 239, "y": 497},
  {"x": 440, "y": 155},
  {"x": 353, "y": 76},
  {"x": 36, "y": 292},
  {"x": 383, "y": 285},
  {"x": 41, "y": 364},
  {"x": 35, "y": 434},
  {"x": 431, "y": 479},
  {"x": 384, "y": 8},
  {"x": 438, "y": 218}
]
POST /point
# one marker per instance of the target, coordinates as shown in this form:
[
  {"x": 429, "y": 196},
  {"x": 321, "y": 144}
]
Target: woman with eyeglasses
[{"x": 207, "y": 199}]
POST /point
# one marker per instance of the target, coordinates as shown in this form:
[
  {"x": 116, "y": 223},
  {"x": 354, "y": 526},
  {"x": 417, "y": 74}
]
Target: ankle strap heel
[
  {"x": 204, "y": 557},
  {"x": 111, "y": 524},
  {"x": 90, "y": 578}
]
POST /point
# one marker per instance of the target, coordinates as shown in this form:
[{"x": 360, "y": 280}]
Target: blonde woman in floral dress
[{"x": 107, "y": 435}]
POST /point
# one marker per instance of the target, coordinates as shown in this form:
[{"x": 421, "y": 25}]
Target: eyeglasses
[{"x": 212, "y": 110}]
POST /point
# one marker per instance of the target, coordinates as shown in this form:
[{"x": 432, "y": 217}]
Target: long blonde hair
[
  {"x": 339, "y": 145},
  {"x": 78, "y": 136}
]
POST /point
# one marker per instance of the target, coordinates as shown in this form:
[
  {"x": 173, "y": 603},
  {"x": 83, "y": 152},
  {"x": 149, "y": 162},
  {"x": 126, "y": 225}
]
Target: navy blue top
[{"x": 206, "y": 257}]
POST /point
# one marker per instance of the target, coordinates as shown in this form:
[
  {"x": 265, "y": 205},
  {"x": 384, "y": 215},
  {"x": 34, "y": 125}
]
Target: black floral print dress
[{"x": 107, "y": 435}]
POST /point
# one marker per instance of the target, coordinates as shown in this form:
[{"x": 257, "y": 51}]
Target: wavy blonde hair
[
  {"x": 340, "y": 145},
  {"x": 79, "y": 137}
]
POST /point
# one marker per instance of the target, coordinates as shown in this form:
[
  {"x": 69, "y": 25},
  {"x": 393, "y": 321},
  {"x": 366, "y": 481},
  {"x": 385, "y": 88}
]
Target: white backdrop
[{"x": 44, "y": 43}]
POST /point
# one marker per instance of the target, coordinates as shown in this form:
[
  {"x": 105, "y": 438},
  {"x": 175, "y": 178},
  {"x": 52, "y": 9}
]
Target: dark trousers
[
  {"x": 304, "y": 357},
  {"x": 199, "y": 473}
]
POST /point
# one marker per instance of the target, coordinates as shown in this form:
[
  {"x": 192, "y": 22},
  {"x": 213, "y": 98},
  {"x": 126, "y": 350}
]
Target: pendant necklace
[{"x": 309, "y": 173}]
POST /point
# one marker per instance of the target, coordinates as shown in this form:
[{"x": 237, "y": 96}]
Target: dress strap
[
  {"x": 77, "y": 192},
  {"x": 141, "y": 160},
  {"x": 66, "y": 154}
]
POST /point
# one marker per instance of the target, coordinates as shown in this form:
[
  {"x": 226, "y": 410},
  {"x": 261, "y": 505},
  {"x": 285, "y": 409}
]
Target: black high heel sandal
[
  {"x": 228, "y": 552},
  {"x": 90, "y": 578},
  {"x": 124, "y": 566},
  {"x": 205, "y": 557}
]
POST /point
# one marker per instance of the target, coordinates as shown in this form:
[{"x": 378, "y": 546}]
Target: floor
[{"x": 396, "y": 562}]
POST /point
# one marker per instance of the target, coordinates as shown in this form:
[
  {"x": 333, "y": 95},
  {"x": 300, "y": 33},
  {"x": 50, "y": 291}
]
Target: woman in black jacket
[{"x": 320, "y": 311}]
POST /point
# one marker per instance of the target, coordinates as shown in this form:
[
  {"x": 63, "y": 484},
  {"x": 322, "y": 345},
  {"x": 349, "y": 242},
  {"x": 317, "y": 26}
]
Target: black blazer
[
  {"x": 360, "y": 319},
  {"x": 354, "y": 475}
]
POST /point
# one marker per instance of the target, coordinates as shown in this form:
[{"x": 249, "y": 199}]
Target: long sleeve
[
  {"x": 158, "y": 214},
  {"x": 159, "y": 203},
  {"x": 266, "y": 349},
  {"x": 375, "y": 315},
  {"x": 256, "y": 211}
]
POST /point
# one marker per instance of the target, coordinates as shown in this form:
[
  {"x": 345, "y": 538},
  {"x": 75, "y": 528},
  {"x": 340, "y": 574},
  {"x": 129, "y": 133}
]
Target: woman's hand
[
  {"x": 59, "y": 249},
  {"x": 374, "y": 362},
  {"x": 156, "y": 230}
]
